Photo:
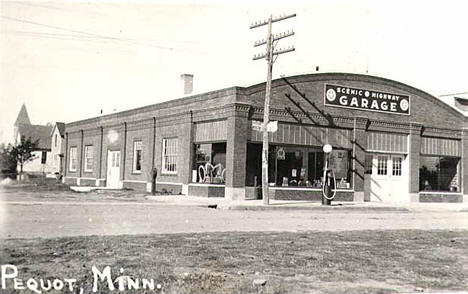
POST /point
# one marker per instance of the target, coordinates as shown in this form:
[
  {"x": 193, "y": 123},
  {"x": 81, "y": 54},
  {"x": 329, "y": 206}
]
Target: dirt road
[{"x": 31, "y": 219}]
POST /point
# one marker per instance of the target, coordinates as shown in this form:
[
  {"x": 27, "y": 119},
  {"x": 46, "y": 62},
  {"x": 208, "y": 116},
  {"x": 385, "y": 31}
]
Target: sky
[{"x": 68, "y": 60}]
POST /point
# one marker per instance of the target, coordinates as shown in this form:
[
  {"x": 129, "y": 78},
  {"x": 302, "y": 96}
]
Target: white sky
[{"x": 68, "y": 59}]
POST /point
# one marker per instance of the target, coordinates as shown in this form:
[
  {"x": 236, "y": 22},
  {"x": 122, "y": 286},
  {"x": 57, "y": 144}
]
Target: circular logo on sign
[
  {"x": 331, "y": 95},
  {"x": 404, "y": 105},
  {"x": 367, "y": 94}
]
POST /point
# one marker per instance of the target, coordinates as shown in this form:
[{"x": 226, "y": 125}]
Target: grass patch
[
  {"x": 37, "y": 184},
  {"x": 322, "y": 262}
]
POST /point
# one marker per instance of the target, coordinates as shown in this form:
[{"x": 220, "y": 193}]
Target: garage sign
[{"x": 370, "y": 100}]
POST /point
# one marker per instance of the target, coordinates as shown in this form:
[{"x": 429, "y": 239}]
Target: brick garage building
[{"x": 391, "y": 142}]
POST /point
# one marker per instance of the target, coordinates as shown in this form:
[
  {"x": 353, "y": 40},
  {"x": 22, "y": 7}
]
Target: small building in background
[
  {"x": 56, "y": 147},
  {"x": 41, "y": 161},
  {"x": 459, "y": 101}
]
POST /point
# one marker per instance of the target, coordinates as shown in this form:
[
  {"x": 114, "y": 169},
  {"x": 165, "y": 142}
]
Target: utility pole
[{"x": 270, "y": 55}]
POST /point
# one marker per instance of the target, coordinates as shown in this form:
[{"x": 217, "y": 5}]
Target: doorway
[
  {"x": 113, "y": 169},
  {"x": 388, "y": 178}
]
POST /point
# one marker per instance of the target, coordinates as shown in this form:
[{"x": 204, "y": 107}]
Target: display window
[
  {"x": 210, "y": 163},
  {"x": 298, "y": 166},
  {"x": 439, "y": 173}
]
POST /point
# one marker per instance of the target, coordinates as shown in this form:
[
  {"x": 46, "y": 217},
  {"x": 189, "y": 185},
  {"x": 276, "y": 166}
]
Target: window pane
[
  {"x": 290, "y": 170},
  {"x": 382, "y": 165},
  {"x": 117, "y": 159},
  {"x": 448, "y": 174},
  {"x": 439, "y": 173},
  {"x": 137, "y": 147},
  {"x": 138, "y": 160},
  {"x": 396, "y": 168},
  {"x": 88, "y": 158},
  {"x": 169, "y": 160},
  {"x": 72, "y": 166},
  {"x": 209, "y": 163},
  {"x": 44, "y": 157}
]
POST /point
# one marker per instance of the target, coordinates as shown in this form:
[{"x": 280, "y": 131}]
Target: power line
[
  {"x": 84, "y": 34},
  {"x": 67, "y": 37},
  {"x": 57, "y": 27},
  {"x": 110, "y": 38},
  {"x": 54, "y": 35},
  {"x": 45, "y": 6}
]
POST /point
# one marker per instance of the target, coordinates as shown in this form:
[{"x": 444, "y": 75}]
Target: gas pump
[{"x": 329, "y": 181}]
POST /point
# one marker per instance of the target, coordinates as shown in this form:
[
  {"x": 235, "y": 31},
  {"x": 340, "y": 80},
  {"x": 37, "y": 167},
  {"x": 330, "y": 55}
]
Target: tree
[
  {"x": 8, "y": 162},
  {"x": 23, "y": 151}
]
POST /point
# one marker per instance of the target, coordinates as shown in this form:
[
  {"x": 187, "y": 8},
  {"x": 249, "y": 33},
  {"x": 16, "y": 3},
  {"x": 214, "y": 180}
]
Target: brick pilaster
[
  {"x": 464, "y": 164},
  {"x": 236, "y": 153},
  {"x": 99, "y": 157},
  {"x": 123, "y": 155},
  {"x": 80, "y": 163},
  {"x": 358, "y": 157},
  {"x": 187, "y": 149},
  {"x": 414, "y": 151}
]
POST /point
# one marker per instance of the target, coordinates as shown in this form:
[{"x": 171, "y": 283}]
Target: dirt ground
[
  {"x": 255, "y": 262},
  {"x": 195, "y": 249}
]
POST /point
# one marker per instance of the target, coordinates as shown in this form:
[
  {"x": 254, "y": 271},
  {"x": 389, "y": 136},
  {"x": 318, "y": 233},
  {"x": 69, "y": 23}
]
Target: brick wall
[
  {"x": 425, "y": 109},
  {"x": 239, "y": 106},
  {"x": 309, "y": 195},
  {"x": 141, "y": 131}
]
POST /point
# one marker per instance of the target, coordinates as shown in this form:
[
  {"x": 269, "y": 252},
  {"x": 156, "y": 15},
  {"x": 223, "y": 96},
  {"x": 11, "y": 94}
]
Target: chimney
[{"x": 187, "y": 83}]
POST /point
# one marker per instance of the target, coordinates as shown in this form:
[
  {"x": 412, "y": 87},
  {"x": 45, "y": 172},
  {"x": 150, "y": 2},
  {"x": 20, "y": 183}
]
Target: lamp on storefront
[{"x": 327, "y": 148}]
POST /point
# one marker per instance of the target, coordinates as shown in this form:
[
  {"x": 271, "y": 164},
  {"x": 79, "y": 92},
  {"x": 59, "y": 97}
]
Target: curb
[{"x": 318, "y": 208}]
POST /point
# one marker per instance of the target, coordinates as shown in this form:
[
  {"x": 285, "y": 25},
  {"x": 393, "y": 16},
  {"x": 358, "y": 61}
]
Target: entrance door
[
  {"x": 388, "y": 178},
  {"x": 113, "y": 169}
]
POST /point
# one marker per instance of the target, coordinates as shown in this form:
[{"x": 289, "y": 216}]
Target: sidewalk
[{"x": 222, "y": 203}]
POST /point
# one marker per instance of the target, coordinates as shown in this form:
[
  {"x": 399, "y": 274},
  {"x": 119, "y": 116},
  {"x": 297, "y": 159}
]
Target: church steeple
[{"x": 23, "y": 117}]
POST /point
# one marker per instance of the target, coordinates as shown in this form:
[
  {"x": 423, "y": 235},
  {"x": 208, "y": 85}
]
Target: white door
[
  {"x": 113, "y": 169},
  {"x": 398, "y": 179},
  {"x": 388, "y": 178}
]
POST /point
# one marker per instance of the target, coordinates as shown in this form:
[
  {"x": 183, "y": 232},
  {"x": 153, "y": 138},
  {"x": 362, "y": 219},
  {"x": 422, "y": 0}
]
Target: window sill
[
  {"x": 207, "y": 185},
  {"x": 136, "y": 172},
  {"x": 168, "y": 174}
]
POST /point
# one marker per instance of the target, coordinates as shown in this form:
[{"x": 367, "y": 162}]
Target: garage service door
[{"x": 388, "y": 180}]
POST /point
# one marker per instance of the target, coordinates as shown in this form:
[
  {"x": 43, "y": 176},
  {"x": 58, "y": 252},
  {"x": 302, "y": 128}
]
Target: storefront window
[
  {"x": 290, "y": 168},
  {"x": 210, "y": 163},
  {"x": 439, "y": 173},
  {"x": 297, "y": 166},
  {"x": 340, "y": 163},
  {"x": 315, "y": 168}
]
